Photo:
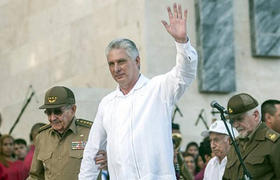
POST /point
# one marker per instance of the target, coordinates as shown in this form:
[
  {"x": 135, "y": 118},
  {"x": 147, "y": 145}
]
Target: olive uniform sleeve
[
  {"x": 275, "y": 152},
  {"x": 37, "y": 169}
]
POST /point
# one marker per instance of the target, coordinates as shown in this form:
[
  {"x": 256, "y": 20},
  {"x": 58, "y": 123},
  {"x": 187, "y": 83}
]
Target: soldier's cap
[
  {"x": 240, "y": 104},
  {"x": 219, "y": 127},
  {"x": 58, "y": 96}
]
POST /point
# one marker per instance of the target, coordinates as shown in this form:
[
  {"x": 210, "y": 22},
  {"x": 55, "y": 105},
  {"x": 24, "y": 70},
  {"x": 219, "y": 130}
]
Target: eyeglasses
[{"x": 55, "y": 111}]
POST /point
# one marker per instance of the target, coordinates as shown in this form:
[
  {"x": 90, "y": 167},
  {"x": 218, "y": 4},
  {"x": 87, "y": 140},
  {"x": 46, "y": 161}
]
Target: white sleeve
[
  {"x": 96, "y": 141},
  {"x": 175, "y": 82}
]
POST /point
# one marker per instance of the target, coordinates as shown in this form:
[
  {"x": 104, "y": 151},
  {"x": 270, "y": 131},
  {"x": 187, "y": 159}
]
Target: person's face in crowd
[
  {"x": 200, "y": 162},
  {"x": 193, "y": 150},
  {"x": 124, "y": 70},
  {"x": 219, "y": 144},
  {"x": 60, "y": 118},
  {"x": 246, "y": 123},
  {"x": 190, "y": 163},
  {"x": 8, "y": 147},
  {"x": 273, "y": 121},
  {"x": 20, "y": 151}
]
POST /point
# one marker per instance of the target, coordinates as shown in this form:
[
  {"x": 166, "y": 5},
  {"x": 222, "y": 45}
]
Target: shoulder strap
[
  {"x": 84, "y": 123},
  {"x": 47, "y": 126},
  {"x": 272, "y": 135}
]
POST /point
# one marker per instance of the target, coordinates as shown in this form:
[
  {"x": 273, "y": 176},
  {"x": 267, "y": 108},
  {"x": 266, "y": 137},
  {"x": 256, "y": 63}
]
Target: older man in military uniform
[
  {"x": 259, "y": 145},
  {"x": 59, "y": 145}
]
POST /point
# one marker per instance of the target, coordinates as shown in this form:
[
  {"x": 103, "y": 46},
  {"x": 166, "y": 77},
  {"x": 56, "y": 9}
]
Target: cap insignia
[
  {"x": 230, "y": 110},
  {"x": 52, "y": 99}
]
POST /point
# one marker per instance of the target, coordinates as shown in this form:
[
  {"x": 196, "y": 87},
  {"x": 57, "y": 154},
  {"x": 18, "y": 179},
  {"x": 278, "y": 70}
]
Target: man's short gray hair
[
  {"x": 126, "y": 44},
  {"x": 250, "y": 112}
]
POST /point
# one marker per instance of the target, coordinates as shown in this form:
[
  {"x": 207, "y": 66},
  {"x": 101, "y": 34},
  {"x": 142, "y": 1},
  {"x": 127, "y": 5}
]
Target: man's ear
[
  {"x": 229, "y": 140},
  {"x": 138, "y": 62},
  {"x": 268, "y": 118},
  {"x": 257, "y": 115},
  {"x": 74, "y": 108}
]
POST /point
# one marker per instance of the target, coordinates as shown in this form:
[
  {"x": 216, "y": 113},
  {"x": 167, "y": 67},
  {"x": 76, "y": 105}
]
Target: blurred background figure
[
  {"x": 206, "y": 154},
  {"x": 20, "y": 149},
  {"x": 192, "y": 148},
  {"x": 181, "y": 170},
  {"x": 270, "y": 111},
  {"x": 33, "y": 133},
  {"x": 10, "y": 168},
  {"x": 0, "y": 122},
  {"x": 190, "y": 162},
  {"x": 199, "y": 164}
]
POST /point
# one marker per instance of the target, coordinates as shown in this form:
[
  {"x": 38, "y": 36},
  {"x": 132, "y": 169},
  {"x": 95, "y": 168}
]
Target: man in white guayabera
[
  {"x": 133, "y": 123},
  {"x": 220, "y": 145}
]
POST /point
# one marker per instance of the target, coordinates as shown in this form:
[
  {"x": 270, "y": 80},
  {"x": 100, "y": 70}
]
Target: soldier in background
[
  {"x": 271, "y": 114},
  {"x": 259, "y": 145},
  {"x": 59, "y": 145}
]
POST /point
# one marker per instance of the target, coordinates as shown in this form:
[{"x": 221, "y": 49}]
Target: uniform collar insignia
[{"x": 272, "y": 136}]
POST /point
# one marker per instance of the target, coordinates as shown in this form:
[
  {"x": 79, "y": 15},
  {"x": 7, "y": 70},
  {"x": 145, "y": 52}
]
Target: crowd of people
[
  {"x": 16, "y": 155},
  {"x": 133, "y": 138},
  {"x": 197, "y": 162},
  {"x": 255, "y": 129}
]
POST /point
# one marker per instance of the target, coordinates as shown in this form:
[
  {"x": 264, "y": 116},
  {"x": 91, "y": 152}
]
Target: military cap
[
  {"x": 240, "y": 104},
  {"x": 58, "y": 96}
]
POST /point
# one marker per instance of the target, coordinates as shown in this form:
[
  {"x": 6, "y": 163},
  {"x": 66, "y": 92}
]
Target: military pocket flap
[
  {"x": 76, "y": 154},
  {"x": 44, "y": 156},
  {"x": 255, "y": 160}
]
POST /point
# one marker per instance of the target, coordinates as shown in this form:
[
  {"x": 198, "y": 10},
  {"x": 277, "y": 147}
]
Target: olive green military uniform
[
  {"x": 261, "y": 154},
  {"x": 59, "y": 156}
]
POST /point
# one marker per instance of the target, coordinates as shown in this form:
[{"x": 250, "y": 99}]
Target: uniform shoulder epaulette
[
  {"x": 47, "y": 126},
  {"x": 85, "y": 123},
  {"x": 272, "y": 135}
]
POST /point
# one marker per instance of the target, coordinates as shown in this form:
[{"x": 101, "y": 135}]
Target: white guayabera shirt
[
  {"x": 135, "y": 129},
  {"x": 214, "y": 169}
]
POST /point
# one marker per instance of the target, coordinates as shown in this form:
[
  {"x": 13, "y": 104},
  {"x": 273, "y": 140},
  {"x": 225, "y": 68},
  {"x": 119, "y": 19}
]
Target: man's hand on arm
[
  {"x": 101, "y": 159},
  {"x": 177, "y": 27}
]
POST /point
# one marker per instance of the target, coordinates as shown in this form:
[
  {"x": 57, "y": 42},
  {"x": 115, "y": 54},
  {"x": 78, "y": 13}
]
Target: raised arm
[
  {"x": 177, "y": 27},
  {"x": 176, "y": 81}
]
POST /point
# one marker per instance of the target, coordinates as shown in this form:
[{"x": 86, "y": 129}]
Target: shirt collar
[
  {"x": 72, "y": 127},
  {"x": 142, "y": 80},
  {"x": 251, "y": 136},
  {"x": 224, "y": 160}
]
